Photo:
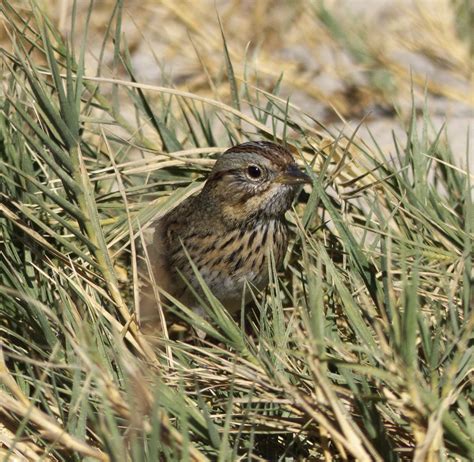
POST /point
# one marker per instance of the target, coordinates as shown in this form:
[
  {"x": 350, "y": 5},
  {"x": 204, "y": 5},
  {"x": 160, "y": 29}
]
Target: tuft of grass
[{"x": 361, "y": 348}]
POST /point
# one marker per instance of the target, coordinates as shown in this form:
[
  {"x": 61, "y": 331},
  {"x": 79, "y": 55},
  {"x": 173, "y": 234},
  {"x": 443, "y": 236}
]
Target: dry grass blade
[{"x": 47, "y": 428}]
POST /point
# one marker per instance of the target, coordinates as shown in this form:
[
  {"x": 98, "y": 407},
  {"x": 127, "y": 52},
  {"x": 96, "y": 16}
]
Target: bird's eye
[{"x": 254, "y": 172}]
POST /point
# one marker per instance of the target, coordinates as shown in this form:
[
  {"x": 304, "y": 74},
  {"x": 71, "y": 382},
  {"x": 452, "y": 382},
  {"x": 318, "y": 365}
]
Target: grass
[{"x": 361, "y": 348}]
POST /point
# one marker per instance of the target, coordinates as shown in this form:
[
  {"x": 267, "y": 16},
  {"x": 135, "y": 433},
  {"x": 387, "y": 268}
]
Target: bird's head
[{"x": 255, "y": 179}]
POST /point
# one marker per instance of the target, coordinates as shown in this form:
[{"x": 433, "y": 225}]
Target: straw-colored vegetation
[{"x": 361, "y": 348}]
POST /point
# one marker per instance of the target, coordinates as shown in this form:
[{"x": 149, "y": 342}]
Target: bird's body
[
  {"x": 226, "y": 255},
  {"x": 230, "y": 228}
]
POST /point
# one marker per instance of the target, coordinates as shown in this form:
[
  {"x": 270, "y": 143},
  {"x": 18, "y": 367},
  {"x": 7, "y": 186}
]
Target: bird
[{"x": 228, "y": 230}]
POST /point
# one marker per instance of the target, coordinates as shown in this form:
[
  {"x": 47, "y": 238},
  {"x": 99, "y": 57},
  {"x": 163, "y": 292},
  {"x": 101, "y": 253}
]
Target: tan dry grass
[{"x": 367, "y": 60}]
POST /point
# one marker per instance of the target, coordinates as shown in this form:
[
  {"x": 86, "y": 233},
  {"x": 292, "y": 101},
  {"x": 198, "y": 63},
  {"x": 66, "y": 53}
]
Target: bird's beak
[{"x": 293, "y": 175}]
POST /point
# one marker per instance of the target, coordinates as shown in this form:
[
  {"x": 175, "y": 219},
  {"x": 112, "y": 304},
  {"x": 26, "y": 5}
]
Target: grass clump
[{"x": 360, "y": 349}]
